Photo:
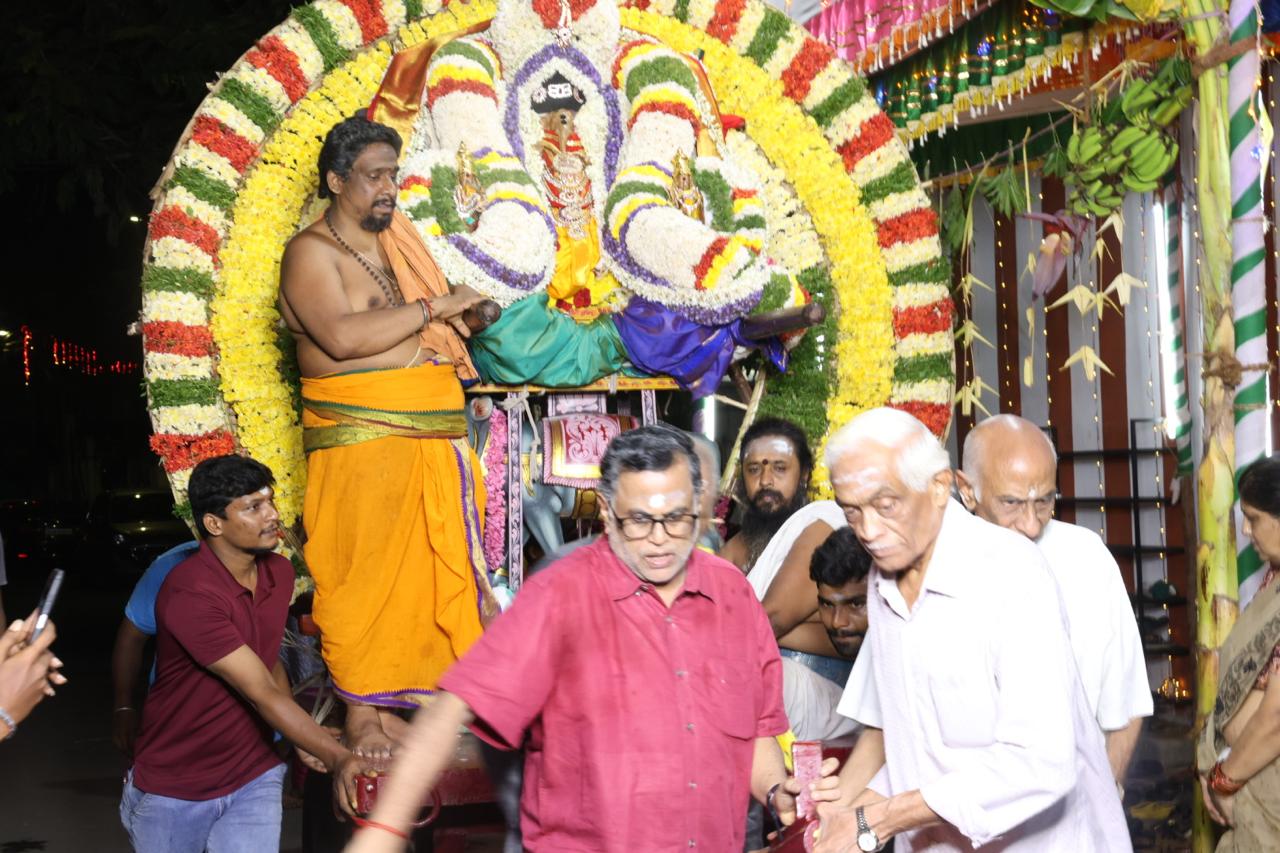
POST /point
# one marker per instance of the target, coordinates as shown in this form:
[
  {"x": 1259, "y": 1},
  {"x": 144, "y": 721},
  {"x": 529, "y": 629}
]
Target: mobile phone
[
  {"x": 806, "y": 758},
  {"x": 47, "y": 600}
]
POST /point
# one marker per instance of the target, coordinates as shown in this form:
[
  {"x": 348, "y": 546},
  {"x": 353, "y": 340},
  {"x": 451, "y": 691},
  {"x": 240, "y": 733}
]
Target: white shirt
[
  {"x": 982, "y": 709},
  {"x": 1104, "y": 632}
]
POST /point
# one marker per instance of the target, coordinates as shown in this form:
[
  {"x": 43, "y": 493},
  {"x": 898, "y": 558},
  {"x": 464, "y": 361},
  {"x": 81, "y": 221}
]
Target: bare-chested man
[{"x": 394, "y": 497}]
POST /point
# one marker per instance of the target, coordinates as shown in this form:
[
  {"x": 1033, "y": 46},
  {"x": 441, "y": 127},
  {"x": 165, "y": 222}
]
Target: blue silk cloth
[
  {"x": 664, "y": 343},
  {"x": 534, "y": 343}
]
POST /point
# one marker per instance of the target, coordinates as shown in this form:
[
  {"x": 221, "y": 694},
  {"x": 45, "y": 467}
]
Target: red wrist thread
[
  {"x": 365, "y": 823},
  {"x": 1223, "y": 784}
]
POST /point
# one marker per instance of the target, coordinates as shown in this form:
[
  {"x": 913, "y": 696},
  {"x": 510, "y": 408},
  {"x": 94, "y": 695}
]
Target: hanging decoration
[{"x": 67, "y": 354}]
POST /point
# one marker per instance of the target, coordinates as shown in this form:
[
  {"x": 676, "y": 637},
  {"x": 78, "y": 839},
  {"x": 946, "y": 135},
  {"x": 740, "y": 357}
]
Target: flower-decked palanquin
[{"x": 576, "y": 174}]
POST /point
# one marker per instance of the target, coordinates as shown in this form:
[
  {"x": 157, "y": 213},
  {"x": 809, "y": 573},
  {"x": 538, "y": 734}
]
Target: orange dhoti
[{"x": 393, "y": 514}]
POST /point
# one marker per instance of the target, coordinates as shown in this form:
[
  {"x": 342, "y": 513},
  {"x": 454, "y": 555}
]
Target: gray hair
[
  {"x": 650, "y": 448},
  {"x": 920, "y": 455},
  {"x": 711, "y": 479},
  {"x": 975, "y": 445}
]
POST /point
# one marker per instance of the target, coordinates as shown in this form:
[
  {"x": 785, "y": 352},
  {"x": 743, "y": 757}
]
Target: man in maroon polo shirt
[
  {"x": 205, "y": 776},
  {"x": 640, "y": 675}
]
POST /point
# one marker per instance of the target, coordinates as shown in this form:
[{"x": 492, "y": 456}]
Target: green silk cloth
[
  {"x": 533, "y": 343},
  {"x": 354, "y": 424}
]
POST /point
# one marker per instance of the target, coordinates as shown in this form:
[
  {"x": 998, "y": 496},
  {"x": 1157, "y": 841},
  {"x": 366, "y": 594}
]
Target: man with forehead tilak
[
  {"x": 639, "y": 674},
  {"x": 988, "y": 740},
  {"x": 780, "y": 531},
  {"x": 1010, "y": 478}
]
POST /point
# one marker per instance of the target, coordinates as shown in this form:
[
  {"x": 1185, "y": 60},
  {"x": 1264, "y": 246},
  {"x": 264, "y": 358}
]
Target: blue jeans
[{"x": 245, "y": 821}]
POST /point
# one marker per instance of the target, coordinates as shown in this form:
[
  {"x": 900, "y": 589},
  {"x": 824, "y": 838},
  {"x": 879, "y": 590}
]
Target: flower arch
[{"x": 853, "y": 218}]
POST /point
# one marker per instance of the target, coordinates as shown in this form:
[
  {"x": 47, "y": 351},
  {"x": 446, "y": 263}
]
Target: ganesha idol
[{"x": 572, "y": 172}]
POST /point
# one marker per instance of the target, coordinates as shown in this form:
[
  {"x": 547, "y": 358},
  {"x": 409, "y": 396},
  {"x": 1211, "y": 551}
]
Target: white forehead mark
[
  {"x": 664, "y": 499},
  {"x": 862, "y": 478},
  {"x": 776, "y": 444},
  {"x": 265, "y": 491}
]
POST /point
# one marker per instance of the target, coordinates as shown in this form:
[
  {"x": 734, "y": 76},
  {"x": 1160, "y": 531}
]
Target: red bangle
[
  {"x": 1223, "y": 784},
  {"x": 365, "y": 823}
]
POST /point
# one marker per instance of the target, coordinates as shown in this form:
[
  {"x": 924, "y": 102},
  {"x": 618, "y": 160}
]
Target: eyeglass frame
[{"x": 650, "y": 521}]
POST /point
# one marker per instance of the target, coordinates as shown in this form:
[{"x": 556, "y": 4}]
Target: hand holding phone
[{"x": 50, "y": 596}]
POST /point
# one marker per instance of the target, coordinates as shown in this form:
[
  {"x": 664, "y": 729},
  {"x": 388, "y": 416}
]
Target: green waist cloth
[
  {"x": 354, "y": 424},
  {"x": 535, "y": 344}
]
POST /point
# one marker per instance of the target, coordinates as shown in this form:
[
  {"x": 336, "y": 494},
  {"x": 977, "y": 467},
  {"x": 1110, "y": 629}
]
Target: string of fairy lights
[{"x": 66, "y": 354}]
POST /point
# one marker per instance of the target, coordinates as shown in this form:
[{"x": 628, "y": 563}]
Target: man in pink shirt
[{"x": 640, "y": 675}]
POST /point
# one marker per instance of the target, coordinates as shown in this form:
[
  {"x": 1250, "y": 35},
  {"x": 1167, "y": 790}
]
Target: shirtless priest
[{"x": 394, "y": 498}]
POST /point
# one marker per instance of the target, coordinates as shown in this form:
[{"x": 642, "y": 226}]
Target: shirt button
[
  {"x": 680, "y": 673},
  {"x": 693, "y": 784},
  {"x": 689, "y": 726},
  {"x": 670, "y": 620},
  {"x": 639, "y": 592},
  {"x": 692, "y": 843}
]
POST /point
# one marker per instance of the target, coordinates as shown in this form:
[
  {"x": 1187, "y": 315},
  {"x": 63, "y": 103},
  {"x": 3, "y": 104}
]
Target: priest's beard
[
  {"x": 376, "y": 222},
  {"x": 759, "y": 525}
]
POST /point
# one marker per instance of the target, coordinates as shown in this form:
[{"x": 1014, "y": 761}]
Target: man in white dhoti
[
  {"x": 988, "y": 738},
  {"x": 1010, "y": 478}
]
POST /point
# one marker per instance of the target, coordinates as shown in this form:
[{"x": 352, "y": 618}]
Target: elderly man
[
  {"x": 987, "y": 735},
  {"x": 651, "y": 735},
  {"x": 1009, "y": 478}
]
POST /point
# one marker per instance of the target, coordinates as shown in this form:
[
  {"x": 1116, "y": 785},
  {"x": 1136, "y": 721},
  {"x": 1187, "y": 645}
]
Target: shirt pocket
[
  {"x": 731, "y": 691},
  {"x": 963, "y": 705}
]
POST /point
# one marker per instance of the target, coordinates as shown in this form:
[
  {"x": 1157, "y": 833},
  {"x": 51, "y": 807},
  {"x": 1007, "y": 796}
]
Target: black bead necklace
[{"x": 390, "y": 288}]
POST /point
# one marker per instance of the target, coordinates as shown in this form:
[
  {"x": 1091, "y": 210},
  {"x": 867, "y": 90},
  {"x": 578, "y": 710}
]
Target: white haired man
[
  {"x": 1009, "y": 478},
  {"x": 987, "y": 736}
]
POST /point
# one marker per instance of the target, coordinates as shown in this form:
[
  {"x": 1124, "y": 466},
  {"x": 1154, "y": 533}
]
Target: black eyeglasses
[{"x": 678, "y": 525}]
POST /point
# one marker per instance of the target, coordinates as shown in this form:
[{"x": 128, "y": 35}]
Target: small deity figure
[
  {"x": 684, "y": 193},
  {"x": 468, "y": 197},
  {"x": 564, "y": 161}
]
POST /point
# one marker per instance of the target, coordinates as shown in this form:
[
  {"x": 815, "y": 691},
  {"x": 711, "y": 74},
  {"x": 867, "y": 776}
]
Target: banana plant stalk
[{"x": 1215, "y": 576}]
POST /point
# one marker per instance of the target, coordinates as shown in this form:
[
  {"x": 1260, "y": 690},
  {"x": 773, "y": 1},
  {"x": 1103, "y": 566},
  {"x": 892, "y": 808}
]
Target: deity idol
[{"x": 572, "y": 172}]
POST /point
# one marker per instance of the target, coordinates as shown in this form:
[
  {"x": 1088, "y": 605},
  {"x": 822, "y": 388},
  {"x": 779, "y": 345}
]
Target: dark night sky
[{"x": 95, "y": 95}]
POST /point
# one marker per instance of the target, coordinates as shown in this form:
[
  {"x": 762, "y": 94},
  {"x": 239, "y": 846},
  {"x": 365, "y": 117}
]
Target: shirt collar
[
  {"x": 620, "y": 582},
  {"x": 947, "y": 573},
  {"x": 266, "y": 579}
]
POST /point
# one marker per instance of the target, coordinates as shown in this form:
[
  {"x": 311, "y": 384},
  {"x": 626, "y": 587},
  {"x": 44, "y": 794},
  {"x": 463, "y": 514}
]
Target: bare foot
[
  {"x": 394, "y": 725},
  {"x": 365, "y": 737}
]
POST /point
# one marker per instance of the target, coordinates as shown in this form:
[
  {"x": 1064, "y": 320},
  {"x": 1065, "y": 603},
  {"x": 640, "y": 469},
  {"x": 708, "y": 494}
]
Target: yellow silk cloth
[
  {"x": 576, "y": 261},
  {"x": 394, "y": 527},
  {"x": 420, "y": 278}
]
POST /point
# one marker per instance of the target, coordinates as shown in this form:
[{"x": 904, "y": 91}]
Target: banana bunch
[
  {"x": 1095, "y": 172},
  {"x": 1127, "y": 148}
]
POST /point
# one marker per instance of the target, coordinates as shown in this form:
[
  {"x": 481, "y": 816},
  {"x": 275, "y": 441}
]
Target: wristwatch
[{"x": 868, "y": 841}]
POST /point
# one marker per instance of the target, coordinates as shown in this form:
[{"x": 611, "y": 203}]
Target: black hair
[
  {"x": 1259, "y": 485},
  {"x": 781, "y": 427},
  {"x": 217, "y": 482},
  {"x": 650, "y": 448},
  {"x": 345, "y": 142},
  {"x": 839, "y": 560}
]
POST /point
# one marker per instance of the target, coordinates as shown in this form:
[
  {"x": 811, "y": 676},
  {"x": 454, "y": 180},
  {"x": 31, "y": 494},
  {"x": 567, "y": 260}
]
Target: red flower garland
[
  {"x": 549, "y": 10},
  {"x": 272, "y": 56},
  {"x": 448, "y": 86},
  {"x": 623, "y": 52},
  {"x": 415, "y": 181},
  {"x": 167, "y": 336},
  {"x": 708, "y": 258},
  {"x": 935, "y": 416},
  {"x": 173, "y": 221},
  {"x": 923, "y": 319},
  {"x": 220, "y": 139},
  {"x": 812, "y": 58},
  {"x": 910, "y": 226},
  {"x": 874, "y": 133},
  {"x": 667, "y": 108},
  {"x": 368, "y": 14},
  {"x": 724, "y": 22},
  {"x": 180, "y": 452}
]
